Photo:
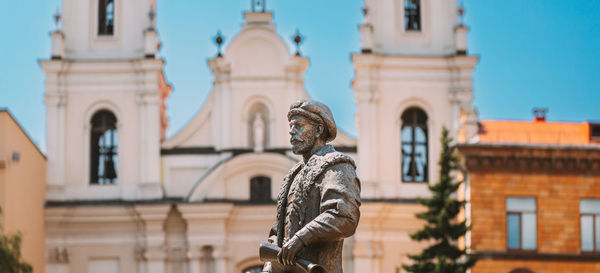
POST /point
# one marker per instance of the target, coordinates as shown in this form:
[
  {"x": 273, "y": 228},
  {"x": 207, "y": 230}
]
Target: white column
[
  {"x": 366, "y": 37},
  {"x": 52, "y": 117},
  {"x": 472, "y": 125},
  {"x": 149, "y": 145},
  {"x": 207, "y": 226},
  {"x": 221, "y": 105},
  {"x": 194, "y": 254},
  {"x": 453, "y": 98},
  {"x": 150, "y": 42},
  {"x": 153, "y": 138},
  {"x": 142, "y": 117},
  {"x": 461, "y": 39},
  {"x": 226, "y": 125},
  {"x": 215, "y": 115},
  {"x": 149, "y": 138},
  {"x": 154, "y": 217},
  {"x": 58, "y": 48},
  {"x": 55, "y": 134},
  {"x": 220, "y": 255},
  {"x": 367, "y": 142}
]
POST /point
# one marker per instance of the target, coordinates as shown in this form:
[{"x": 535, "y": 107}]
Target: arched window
[
  {"x": 253, "y": 269},
  {"x": 103, "y": 146},
  {"x": 260, "y": 190},
  {"x": 412, "y": 15},
  {"x": 106, "y": 17},
  {"x": 258, "y": 127},
  {"x": 414, "y": 145}
]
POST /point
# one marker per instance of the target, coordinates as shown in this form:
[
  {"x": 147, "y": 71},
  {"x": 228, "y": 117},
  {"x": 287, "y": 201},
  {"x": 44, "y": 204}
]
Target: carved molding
[
  {"x": 549, "y": 164},
  {"x": 530, "y": 158},
  {"x": 58, "y": 255}
]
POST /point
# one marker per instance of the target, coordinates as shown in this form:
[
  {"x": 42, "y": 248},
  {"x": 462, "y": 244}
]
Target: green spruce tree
[
  {"x": 10, "y": 253},
  {"x": 442, "y": 228}
]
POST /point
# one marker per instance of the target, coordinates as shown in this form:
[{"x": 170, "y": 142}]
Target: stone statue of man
[{"x": 318, "y": 204}]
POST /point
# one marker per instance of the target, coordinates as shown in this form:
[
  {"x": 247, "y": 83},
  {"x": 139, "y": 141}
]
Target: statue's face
[{"x": 302, "y": 132}]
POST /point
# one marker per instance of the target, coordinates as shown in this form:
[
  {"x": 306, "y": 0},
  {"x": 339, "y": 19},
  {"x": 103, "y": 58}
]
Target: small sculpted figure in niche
[
  {"x": 318, "y": 204},
  {"x": 259, "y": 133}
]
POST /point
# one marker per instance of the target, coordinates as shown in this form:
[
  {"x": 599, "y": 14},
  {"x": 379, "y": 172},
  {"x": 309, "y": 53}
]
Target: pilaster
[
  {"x": 221, "y": 112},
  {"x": 149, "y": 144},
  {"x": 207, "y": 227},
  {"x": 56, "y": 103},
  {"x": 367, "y": 96},
  {"x": 153, "y": 253}
]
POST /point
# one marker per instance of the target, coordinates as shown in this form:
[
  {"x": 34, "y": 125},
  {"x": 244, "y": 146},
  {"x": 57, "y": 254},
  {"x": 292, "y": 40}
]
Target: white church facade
[{"x": 121, "y": 197}]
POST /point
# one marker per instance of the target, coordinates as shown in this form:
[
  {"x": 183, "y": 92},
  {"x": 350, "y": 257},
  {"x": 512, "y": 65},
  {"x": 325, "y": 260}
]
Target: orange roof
[{"x": 535, "y": 132}]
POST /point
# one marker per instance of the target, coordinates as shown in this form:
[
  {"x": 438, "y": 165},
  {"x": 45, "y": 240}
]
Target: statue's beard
[{"x": 301, "y": 146}]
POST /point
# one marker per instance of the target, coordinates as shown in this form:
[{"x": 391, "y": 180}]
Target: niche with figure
[{"x": 258, "y": 127}]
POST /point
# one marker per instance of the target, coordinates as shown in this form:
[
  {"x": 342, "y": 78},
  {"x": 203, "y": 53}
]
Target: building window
[
  {"x": 106, "y": 17},
  {"x": 521, "y": 223},
  {"x": 414, "y": 145},
  {"x": 595, "y": 132},
  {"x": 103, "y": 147},
  {"x": 253, "y": 269},
  {"x": 590, "y": 225},
  {"x": 260, "y": 190},
  {"x": 412, "y": 15}
]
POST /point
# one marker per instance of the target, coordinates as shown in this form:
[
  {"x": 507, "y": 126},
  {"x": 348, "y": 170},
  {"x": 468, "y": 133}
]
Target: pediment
[
  {"x": 255, "y": 46},
  {"x": 229, "y": 179}
]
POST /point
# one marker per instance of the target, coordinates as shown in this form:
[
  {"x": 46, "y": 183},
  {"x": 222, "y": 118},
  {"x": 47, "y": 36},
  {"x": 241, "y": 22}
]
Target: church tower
[
  {"x": 413, "y": 76},
  {"x": 105, "y": 95}
]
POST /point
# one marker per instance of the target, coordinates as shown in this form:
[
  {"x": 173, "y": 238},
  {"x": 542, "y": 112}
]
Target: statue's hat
[{"x": 317, "y": 112}]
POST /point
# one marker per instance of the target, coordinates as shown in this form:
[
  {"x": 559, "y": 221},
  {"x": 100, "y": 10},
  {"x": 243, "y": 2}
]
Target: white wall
[
  {"x": 77, "y": 90},
  {"x": 438, "y": 18},
  {"x": 80, "y": 25},
  {"x": 385, "y": 86}
]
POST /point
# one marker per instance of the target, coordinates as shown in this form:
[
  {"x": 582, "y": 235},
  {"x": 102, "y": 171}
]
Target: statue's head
[{"x": 311, "y": 123}]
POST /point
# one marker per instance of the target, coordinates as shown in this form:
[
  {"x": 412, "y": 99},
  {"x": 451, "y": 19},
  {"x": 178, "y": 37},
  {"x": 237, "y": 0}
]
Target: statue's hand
[
  {"x": 288, "y": 252},
  {"x": 267, "y": 268}
]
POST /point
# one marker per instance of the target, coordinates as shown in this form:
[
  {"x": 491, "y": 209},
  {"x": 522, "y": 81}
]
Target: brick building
[{"x": 534, "y": 190}]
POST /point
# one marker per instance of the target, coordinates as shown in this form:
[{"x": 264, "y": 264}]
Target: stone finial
[{"x": 298, "y": 39}]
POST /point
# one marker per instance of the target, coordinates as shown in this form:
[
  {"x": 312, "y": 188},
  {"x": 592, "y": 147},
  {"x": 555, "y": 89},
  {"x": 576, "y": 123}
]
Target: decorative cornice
[
  {"x": 237, "y": 151},
  {"x": 57, "y": 255},
  {"x": 174, "y": 201},
  {"x": 531, "y": 158},
  {"x": 535, "y": 256}
]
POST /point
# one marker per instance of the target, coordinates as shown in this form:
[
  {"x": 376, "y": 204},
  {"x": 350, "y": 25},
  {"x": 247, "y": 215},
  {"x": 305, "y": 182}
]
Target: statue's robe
[{"x": 318, "y": 202}]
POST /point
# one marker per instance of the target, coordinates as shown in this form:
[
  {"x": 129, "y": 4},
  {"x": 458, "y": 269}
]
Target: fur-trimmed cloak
[{"x": 318, "y": 202}]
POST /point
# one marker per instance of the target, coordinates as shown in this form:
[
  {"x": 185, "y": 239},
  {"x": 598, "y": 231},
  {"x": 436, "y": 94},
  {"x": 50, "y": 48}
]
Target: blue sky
[{"x": 535, "y": 53}]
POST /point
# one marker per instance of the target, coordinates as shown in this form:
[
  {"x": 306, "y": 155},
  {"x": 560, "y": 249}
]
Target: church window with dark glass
[
  {"x": 260, "y": 190},
  {"x": 414, "y": 145},
  {"x": 103, "y": 146},
  {"x": 412, "y": 15},
  {"x": 106, "y": 17}
]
